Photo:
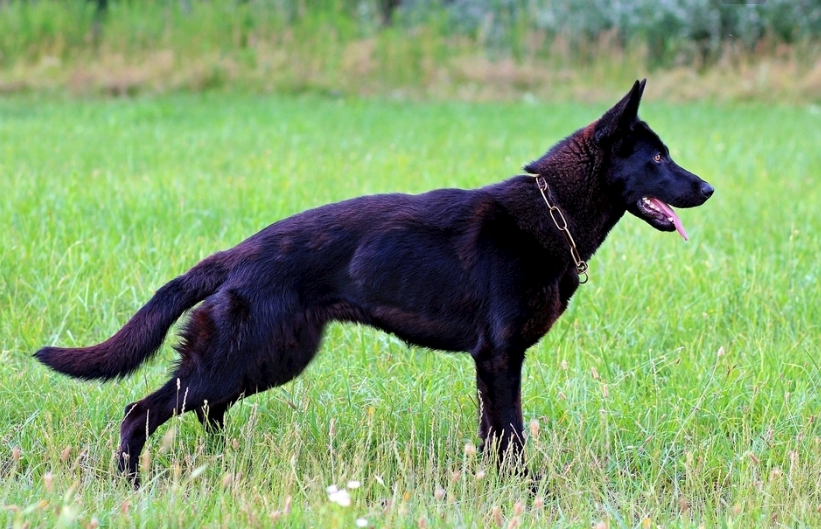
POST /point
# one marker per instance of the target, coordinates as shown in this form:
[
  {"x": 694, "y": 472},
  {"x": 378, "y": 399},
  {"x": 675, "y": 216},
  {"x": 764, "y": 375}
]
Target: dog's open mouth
[{"x": 662, "y": 214}]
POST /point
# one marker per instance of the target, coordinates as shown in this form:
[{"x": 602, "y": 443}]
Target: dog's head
[{"x": 641, "y": 170}]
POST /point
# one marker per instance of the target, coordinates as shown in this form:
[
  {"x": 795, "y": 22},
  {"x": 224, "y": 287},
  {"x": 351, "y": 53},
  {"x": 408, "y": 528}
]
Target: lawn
[{"x": 681, "y": 388}]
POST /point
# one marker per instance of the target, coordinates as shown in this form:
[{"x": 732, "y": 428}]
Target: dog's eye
[{"x": 657, "y": 157}]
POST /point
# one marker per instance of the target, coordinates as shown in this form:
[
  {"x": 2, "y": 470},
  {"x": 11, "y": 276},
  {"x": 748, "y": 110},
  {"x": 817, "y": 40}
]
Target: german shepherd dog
[{"x": 487, "y": 271}]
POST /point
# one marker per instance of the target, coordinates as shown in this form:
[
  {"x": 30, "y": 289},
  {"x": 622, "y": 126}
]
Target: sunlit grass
[{"x": 680, "y": 388}]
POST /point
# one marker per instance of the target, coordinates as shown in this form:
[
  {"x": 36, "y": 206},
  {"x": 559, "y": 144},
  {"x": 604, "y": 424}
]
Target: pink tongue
[{"x": 668, "y": 211}]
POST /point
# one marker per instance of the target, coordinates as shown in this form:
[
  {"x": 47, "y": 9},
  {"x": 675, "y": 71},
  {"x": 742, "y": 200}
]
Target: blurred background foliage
[
  {"x": 466, "y": 48},
  {"x": 672, "y": 30}
]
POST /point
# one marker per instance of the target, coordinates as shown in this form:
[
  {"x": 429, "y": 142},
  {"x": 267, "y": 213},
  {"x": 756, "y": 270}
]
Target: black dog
[{"x": 485, "y": 271}]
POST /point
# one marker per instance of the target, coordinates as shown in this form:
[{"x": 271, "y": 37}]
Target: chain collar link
[{"x": 561, "y": 223}]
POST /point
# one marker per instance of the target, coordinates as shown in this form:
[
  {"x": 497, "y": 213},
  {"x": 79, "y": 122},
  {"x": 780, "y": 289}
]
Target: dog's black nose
[{"x": 706, "y": 190}]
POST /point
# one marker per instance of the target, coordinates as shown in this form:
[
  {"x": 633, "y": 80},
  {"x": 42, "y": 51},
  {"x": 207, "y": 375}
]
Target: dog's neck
[
  {"x": 589, "y": 214},
  {"x": 576, "y": 185}
]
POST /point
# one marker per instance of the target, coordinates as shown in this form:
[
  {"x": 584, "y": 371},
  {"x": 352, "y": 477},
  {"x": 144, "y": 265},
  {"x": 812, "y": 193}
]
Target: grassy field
[{"x": 681, "y": 388}]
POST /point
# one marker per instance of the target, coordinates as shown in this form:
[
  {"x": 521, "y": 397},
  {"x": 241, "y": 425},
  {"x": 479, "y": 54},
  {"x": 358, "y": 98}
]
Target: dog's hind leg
[
  {"x": 212, "y": 416},
  {"x": 498, "y": 380},
  {"x": 222, "y": 359},
  {"x": 203, "y": 375},
  {"x": 141, "y": 419},
  {"x": 184, "y": 392}
]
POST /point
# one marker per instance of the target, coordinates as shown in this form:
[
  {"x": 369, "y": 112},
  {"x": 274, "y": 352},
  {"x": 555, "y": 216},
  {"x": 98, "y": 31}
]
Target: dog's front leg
[{"x": 498, "y": 379}]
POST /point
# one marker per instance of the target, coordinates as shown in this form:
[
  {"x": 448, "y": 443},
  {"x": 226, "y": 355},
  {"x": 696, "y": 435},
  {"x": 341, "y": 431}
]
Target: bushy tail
[{"x": 144, "y": 333}]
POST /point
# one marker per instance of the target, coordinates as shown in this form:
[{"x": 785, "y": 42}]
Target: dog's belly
[
  {"x": 447, "y": 334},
  {"x": 411, "y": 282}
]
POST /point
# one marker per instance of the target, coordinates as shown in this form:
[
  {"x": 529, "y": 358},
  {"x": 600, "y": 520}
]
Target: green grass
[{"x": 641, "y": 421}]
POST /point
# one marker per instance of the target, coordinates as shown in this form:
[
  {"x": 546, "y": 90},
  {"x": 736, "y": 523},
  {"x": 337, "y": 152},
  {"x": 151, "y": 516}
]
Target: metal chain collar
[{"x": 557, "y": 216}]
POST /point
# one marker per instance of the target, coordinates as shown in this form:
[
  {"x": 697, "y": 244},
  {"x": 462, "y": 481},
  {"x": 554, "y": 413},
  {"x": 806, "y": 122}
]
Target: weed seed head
[
  {"x": 168, "y": 439},
  {"x": 145, "y": 461},
  {"x": 470, "y": 449},
  {"x": 339, "y": 496}
]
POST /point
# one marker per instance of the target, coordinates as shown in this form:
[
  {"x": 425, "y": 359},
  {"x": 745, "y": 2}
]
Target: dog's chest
[{"x": 544, "y": 306}]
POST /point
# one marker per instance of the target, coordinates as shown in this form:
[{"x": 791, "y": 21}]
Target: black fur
[{"x": 483, "y": 271}]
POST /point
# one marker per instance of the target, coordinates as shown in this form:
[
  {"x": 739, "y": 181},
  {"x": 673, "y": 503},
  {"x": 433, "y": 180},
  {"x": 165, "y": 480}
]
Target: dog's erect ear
[{"x": 622, "y": 115}]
